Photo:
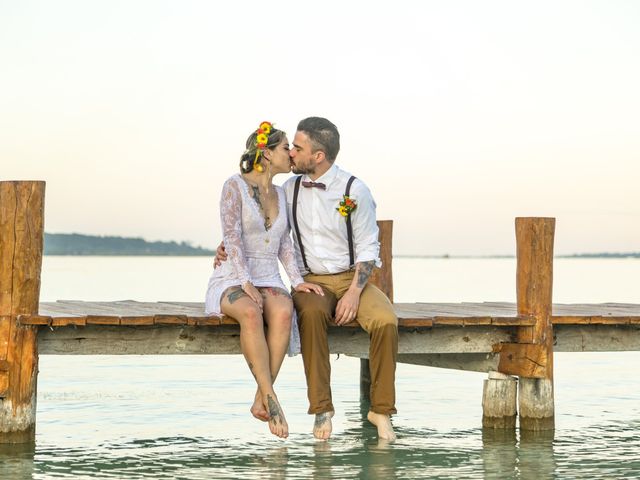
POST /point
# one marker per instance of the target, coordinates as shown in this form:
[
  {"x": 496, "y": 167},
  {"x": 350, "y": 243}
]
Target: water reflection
[
  {"x": 530, "y": 458},
  {"x": 536, "y": 455},
  {"x": 16, "y": 460},
  {"x": 354, "y": 452}
]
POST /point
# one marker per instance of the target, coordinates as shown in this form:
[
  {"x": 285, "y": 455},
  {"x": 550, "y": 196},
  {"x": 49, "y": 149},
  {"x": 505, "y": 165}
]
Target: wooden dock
[
  {"x": 96, "y": 328},
  {"x": 504, "y": 339}
]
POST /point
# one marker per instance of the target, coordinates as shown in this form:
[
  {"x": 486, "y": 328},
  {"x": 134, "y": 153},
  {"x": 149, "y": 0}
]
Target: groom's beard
[{"x": 304, "y": 170}]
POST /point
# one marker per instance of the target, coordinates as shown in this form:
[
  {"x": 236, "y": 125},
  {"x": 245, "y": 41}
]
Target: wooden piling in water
[
  {"x": 534, "y": 286},
  {"x": 21, "y": 247},
  {"x": 531, "y": 358},
  {"x": 383, "y": 279},
  {"x": 499, "y": 394}
]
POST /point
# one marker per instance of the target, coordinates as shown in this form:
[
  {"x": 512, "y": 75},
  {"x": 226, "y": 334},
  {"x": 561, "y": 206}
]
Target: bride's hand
[
  {"x": 253, "y": 293},
  {"x": 309, "y": 287}
]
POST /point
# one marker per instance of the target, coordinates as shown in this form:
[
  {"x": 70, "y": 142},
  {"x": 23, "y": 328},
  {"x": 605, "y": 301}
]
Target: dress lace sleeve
[
  {"x": 231, "y": 220},
  {"x": 288, "y": 259}
]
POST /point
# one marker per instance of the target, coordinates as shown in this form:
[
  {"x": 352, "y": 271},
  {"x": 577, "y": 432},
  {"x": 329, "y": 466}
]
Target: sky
[{"x": 459, "y": 115}]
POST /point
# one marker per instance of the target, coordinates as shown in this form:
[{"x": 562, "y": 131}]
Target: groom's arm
[
  {"x": 367, "y": 249},
  {"x": 347, "y": 307}
]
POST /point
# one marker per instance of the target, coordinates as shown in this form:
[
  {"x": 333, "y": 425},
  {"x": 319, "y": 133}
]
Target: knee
[
  {"x": 386, "y": 322},
  {"x": 281, "y": 319},
  {"x": 251, "y": 319},
  {"x": 310, "y": 306}
]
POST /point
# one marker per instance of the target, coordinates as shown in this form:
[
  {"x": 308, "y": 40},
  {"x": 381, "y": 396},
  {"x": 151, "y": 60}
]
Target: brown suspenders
[{"x": 294, "y": 214}]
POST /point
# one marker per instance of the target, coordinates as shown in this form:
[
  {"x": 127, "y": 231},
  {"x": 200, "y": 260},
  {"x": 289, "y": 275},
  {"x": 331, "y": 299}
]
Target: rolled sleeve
[{"x": 365, "y": 228}]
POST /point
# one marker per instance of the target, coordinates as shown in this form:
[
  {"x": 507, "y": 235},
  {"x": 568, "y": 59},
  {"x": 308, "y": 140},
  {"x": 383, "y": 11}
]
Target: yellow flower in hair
[
  {"x": 265, "y": 127},
  {"x": 262, "y": 139}
]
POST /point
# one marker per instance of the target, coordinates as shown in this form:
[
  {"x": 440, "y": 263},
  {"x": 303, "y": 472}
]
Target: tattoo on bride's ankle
[{"x": 274, "y": 410}]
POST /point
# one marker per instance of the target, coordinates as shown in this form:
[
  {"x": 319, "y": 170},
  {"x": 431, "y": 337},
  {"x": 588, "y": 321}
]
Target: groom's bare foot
[
  {"x": 277, "y": 423},
  {"x": 383, "y": 424},
  {"x": 322, "y": 426},
  {"x": 258, "y": 410}
]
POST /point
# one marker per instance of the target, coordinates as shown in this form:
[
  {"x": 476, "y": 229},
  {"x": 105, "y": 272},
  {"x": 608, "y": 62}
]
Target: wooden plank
[
  {"x": 477, "y": 321},
  {"x": 224, "y": 339},
  {"x": 68, "y": 321},
  {"x": 448, "y": 321},
  {"x": 34, "y": 320},
  {"x": 597, "y": 338},
  {"x": 415, "y": 323},
  {"x": 512, "y": 322},
  {"x": 135, "y": 321},
  {"x": 405, "y": 321},
  {"x": 609, "y": 320},
  {"x": 204, "y": 321},
  {"x": 592, "y": 319},
  {"x": 130, "y": 308},
  {"x": 473, "y": 362},
  {"x": 523, "y": 359},
  {"x": 170, "y": 319},
  {"x": 225, "y": 320},
  {"x": 102, "y": 320}
]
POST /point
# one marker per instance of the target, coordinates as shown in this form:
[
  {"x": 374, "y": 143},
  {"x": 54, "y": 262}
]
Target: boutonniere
[{"x": 347, "y": 205}]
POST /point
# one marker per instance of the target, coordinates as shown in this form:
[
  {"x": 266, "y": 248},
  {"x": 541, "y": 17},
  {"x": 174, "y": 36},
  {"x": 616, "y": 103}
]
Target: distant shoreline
[
  {"x": 74, "y": 244},
  {"x": 574, "y": 255}
]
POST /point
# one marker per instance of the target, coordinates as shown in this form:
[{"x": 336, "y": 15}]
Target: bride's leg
[
  {"x": 254, "y": 346},
  {"x": 278, "y": 309}
]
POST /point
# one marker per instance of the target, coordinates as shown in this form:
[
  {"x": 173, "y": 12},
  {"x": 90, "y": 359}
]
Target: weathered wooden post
[
  {"x": 21, "y": 245},
  {"x": 531, "y": 358},
  {"x": 383, "y": 279},
  {"x": 534, "y": 286},
  {"x": 499, "y": 399}
]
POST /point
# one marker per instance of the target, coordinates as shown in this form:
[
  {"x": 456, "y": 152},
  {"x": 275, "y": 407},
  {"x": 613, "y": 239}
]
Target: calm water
[{"x": 187, "y": 416}]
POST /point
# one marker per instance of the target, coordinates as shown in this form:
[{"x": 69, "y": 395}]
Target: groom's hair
[{"x": 323, "y": 135}]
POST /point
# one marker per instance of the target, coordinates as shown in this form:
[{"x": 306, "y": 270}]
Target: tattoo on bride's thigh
[
  {"x": 275, "y": 292},
  {"x": 235, "y": 295}
]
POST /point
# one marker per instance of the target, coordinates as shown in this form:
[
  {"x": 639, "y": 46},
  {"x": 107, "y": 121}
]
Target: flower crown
[{"x": 262, "y": 138}]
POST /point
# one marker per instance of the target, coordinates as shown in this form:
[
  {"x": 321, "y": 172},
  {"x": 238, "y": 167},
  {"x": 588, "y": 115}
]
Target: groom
[{"x": 333, "y": 221}]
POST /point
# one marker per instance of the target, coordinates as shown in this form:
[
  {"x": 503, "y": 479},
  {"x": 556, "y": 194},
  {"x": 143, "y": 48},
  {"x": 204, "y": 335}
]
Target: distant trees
[{"x": 76, "y": 244}]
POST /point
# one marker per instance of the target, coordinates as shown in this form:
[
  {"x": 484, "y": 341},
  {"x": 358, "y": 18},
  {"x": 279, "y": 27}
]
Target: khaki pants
[{"x": 375, "y": 316}]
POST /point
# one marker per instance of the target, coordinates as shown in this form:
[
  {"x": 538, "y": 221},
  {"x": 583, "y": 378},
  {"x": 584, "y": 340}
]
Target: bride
[{"x": 248, "y": 286}]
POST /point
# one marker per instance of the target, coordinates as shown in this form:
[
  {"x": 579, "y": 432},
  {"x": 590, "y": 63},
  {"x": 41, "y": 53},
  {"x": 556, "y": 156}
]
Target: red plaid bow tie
[{"x": 314, "y": 184}]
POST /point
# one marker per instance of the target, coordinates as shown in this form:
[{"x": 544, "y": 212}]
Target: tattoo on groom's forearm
[{"x": 364, "y": 272}]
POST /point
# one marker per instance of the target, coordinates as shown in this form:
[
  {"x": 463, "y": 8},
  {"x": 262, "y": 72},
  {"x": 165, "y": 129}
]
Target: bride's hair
[{"x": 249, "y": 160}]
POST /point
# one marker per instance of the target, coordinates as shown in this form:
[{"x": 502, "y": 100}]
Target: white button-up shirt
[{"x": 323, "y": 230}]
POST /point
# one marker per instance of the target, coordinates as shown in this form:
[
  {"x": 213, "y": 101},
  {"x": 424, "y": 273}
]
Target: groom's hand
[
  {"x": 347, "y": 307},
  {"x": 221, "y": 256}
]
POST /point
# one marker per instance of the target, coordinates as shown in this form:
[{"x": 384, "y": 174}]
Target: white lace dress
[{"x": 253, "y": 251}]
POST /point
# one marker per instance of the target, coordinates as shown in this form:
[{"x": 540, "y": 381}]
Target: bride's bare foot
[
  {"x": 383, "y": 424},
  {"x": 277, "y": 423},
  {"x": 322, "y": 425},
  {"x": 258, "y": 410}
]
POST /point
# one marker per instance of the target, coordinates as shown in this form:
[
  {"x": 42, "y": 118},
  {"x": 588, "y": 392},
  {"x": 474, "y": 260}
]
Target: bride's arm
[
  {"x": 288, "y": 259},
  {"x": 231, "y": 220}
]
